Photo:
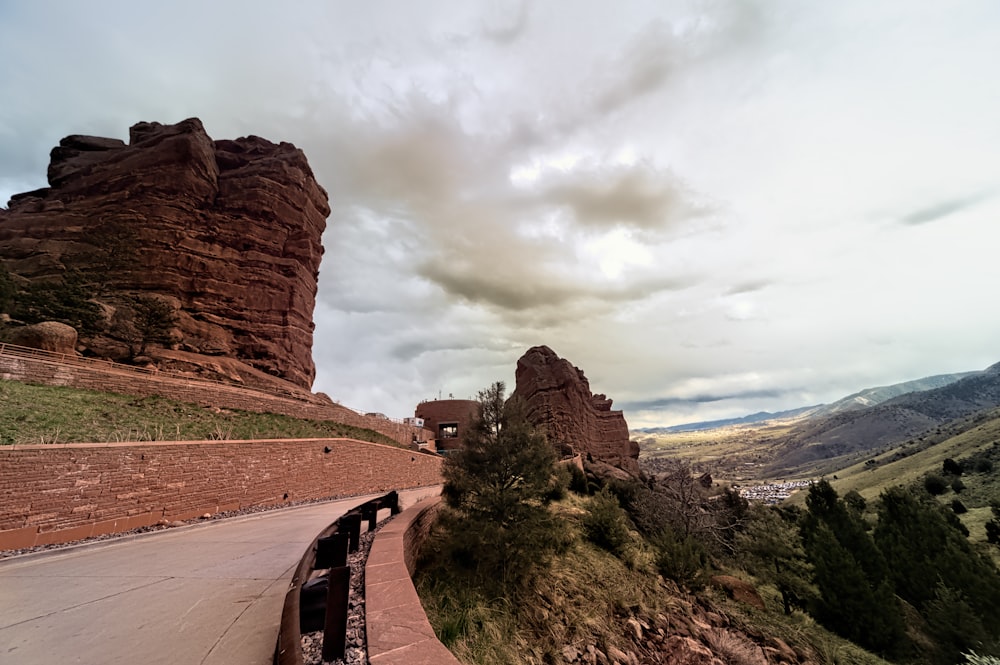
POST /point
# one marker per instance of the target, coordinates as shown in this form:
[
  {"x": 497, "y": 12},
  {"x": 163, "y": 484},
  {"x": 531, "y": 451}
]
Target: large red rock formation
[
  {"x": 227, "y": 232},
  {"x": 558, "y": 398}
]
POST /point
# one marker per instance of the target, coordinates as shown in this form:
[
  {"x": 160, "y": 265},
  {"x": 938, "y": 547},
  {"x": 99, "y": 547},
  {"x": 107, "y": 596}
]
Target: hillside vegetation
[
  {"x": 34, "y": 414},
  {"x": 821, "y": 445}
]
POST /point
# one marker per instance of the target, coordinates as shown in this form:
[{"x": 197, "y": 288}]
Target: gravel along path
[{"x": 357, "y": 643}]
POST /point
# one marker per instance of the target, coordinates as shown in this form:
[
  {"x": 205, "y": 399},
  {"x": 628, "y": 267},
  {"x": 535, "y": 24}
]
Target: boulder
[
  {"x": 228, "y": 230},
  {"x": 738, "y": 590},
  {"x": 558, "y": 399},
  {"x": 47, "y": 335}
]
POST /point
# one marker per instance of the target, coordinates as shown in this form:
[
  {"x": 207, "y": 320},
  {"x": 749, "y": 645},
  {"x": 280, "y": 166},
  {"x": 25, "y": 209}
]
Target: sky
[{"x": 711, "y": 207}]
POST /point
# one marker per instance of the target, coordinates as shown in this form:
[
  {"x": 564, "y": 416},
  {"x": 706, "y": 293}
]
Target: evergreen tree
[
  {"x": 7, "y": 290},
  {"x": 924, "y": 541},
  {"x": 954, "y": 625},
  {"x": 855, "y": 594},
  {"x": 65, "y": 300},
  {"x": 498, "y": 485},
  {"x": 771, "y": 548}
]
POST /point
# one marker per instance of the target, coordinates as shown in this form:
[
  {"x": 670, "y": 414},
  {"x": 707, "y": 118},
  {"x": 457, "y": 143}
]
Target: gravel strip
[{"x": 356, "y": 652}]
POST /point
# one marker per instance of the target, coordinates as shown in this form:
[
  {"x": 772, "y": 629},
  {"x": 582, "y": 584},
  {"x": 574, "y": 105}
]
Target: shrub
[
  {"x": 957, "y": 486},
  {"x": 959, "y": 507},
  {"x": 935, "y": 484},
  {"x": 951, "y": 468},
  {"x": 606, "y": 524},
  {"x": 578, "y": 480},
  {"x": 681, "y": 558}
]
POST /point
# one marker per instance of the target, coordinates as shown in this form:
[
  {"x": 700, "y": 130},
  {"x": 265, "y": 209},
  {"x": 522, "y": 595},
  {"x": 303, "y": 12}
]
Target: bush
[
  {"x": 958, "y": 507},
  {"x": 578, "y": 480},
  {"x": 681, "y": 558},
  {"x": 951, "y": 468},
  {"x": 935, "y": 484},
  {"x": 957, "y": 486},
  {"x": 606, "y": 524}
]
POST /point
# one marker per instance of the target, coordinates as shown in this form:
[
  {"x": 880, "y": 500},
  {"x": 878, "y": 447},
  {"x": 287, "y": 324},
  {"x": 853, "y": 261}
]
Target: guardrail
[{"x": 324, "y": 606}]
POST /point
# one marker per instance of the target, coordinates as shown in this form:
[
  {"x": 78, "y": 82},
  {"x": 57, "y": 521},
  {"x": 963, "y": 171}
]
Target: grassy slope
[
  {"x": 33, "y": 414},
  {"x": 870, "y": 481},
  {"x": 588, "y": 596}
]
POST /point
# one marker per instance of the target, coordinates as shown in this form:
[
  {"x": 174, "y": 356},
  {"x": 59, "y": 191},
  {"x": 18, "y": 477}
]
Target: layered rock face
[
  {"x": 558, "y": 398},
  {"x": 228, "y": 232}
]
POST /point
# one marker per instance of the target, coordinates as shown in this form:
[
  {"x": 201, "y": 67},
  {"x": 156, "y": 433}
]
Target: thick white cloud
[{"x": 711, "y": 207}]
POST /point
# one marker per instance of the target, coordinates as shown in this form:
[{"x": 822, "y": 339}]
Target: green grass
[
  {"x": 34, "y": 414},
  {"x": 871, "y": 480}
]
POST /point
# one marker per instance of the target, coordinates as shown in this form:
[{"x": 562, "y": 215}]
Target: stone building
[{"x": 448, "y": 419}]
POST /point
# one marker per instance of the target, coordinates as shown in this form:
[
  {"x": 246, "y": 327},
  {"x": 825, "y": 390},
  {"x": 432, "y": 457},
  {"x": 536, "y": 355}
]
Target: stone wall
[
  {"x": 446, "y": 411},
  {"x": 398, "y": 630},
  {"x": 53, "y": 370},
  {"x": 59, "y": 493}
]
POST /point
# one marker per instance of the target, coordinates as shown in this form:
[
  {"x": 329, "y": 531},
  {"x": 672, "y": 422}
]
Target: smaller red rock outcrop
[
  {"x": 48, "y": 336},
  {"x": 558, "y": 398}
]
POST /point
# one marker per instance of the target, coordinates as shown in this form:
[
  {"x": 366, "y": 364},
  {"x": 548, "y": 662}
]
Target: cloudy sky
[{"x": 712, "y": 207}]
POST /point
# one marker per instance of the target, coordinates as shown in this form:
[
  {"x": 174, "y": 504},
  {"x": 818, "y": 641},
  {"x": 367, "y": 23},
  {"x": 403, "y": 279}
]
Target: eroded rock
[
  {"x": 558, "y": 398},
  {"x": 230, "y": 231}
]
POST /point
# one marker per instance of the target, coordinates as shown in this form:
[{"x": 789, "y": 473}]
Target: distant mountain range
[
  {"x": 856, "y": 401},
  {"x": 753, "y": 418},
  {"x": 910, "y": 415}
]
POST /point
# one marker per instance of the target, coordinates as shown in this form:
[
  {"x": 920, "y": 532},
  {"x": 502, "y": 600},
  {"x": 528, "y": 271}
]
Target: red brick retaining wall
[
  {"x": 59, "y": 370},
  {"x": 397, "y": 626},
  {"x": 59, "y": 493}
]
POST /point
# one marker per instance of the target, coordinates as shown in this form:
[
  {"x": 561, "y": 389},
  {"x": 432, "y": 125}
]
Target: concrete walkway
[{"x": 209, "y": 594}]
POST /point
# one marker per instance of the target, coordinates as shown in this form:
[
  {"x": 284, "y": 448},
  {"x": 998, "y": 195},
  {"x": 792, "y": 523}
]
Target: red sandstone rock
[
  {"x": 738, "y": 590},
  {"x": 230, "y": 231},
  {"x": 48, "y": 336},
  {"x": 558, "y": 398}
]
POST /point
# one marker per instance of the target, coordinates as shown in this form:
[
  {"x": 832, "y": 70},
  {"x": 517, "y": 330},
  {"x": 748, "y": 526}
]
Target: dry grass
[{"x": 34, "y": 414}]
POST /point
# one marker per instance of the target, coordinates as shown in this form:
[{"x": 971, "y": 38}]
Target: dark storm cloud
[
  {"x": 943, "y": 209},
  {"x": 698, "y": 400},
  {"x": 636, "y": 196}
]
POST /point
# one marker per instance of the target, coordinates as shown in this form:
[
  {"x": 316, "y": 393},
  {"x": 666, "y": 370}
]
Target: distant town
[{"x": 771, "y": 492}]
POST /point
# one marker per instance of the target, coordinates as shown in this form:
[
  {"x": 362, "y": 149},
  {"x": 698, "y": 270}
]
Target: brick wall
[
  {"x": 53, "y": 370},
  {"x": 58, "y": 493}
]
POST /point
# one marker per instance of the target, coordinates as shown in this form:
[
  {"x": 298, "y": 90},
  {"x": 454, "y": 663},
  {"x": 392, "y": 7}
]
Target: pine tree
[
  {"x": 856, "y": 598},
  {"x": 498, "y": 485},
  {"x": 924, "y": 541}
]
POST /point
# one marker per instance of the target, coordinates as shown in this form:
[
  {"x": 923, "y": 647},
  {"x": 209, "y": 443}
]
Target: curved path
[{"x": 208, "y": 594}]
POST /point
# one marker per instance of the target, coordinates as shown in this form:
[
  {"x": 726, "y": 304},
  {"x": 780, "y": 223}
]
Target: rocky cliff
[
  {"x": 227, "y": 233},
  {"x": 558, "y": 398}
]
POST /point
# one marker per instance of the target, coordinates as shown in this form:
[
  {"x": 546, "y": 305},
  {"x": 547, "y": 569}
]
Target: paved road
[{"x": 210, "y": 594}]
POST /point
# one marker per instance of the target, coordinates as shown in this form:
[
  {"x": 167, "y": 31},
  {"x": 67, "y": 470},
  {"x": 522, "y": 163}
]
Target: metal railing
[{"x": 324, "y": 605}]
